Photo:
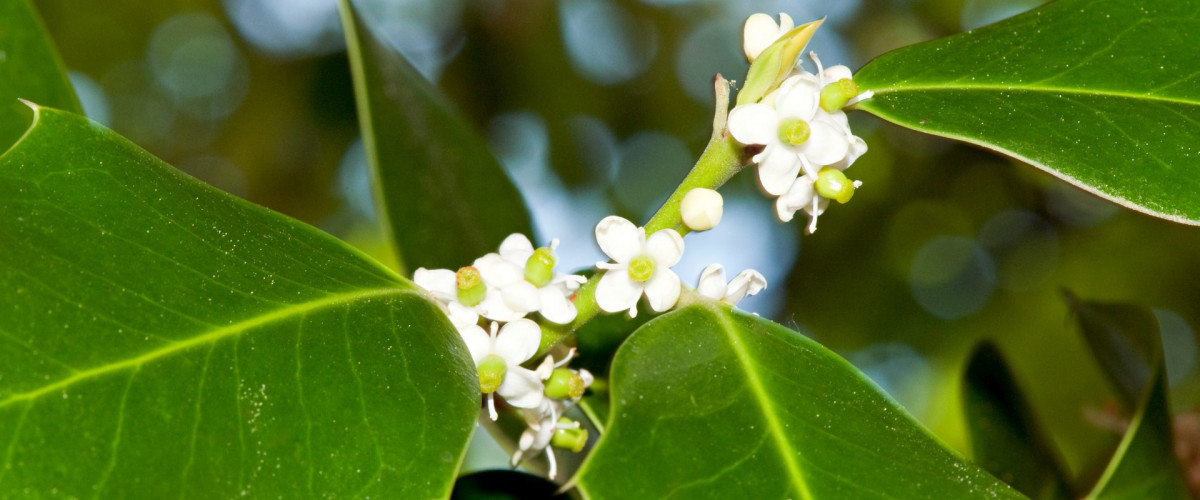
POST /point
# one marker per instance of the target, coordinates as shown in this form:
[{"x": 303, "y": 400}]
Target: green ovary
[
  {"x": 491, "y": 373},
  {"x": 641, "y": 268},
  {"x": 794, "y": 131}
]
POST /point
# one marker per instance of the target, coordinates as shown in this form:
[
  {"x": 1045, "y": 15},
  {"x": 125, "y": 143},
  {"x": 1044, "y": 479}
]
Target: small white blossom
[
  {"x": 542, "y": 421},
  {"x": 796, "y": 134},
  {"x": 701, "y": 209},
  {"x": 761, "y": 30},
  {"x": 506, "y": 272},
  {"x": 712, "y": 284},
  {"x": 639, "y": 265},
  {"x": 441, "y": 284},
  {"x": 514, "y": 344}
]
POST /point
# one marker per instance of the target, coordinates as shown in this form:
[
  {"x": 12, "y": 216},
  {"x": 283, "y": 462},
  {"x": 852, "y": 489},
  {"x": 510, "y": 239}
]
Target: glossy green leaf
[
  {"x": 1104, "y": 94},
  {"x": 29, "y": 69},
  {"x": 709, "y": 403},
  {"x": 1005, "y": 437},
  {"x": 1144, "y": 465},
  {"x": 442, "y": 195},
  {"x": 161, "y": 339}
]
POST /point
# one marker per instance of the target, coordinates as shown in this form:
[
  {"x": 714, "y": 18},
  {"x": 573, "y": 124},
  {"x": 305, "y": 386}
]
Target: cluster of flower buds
[{"x": 799, "y": 124}]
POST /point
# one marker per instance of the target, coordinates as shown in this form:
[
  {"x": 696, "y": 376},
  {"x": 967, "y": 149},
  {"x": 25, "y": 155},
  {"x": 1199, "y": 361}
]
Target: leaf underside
[
  {"x": 161, "y": 339},
  {"x": 1104, "y": 94},
  {"x": 29, "y": 69},
  {"x": 709, "y": 403},
  {"x": 442, "y": 195}
]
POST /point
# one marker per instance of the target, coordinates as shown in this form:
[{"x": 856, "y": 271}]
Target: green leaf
[
  {"x": 1005, "y": 437},
  {"x": 709, "y": 403},
  {"x": 1103, "y": 94},
  {"x": 443, "y": 197},
  {"x": 1125, "y": 339},
  {"x": 29, "y": 69},
  {"x": 161, "y": 339}
]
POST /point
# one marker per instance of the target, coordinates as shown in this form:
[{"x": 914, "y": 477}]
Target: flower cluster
[
  {"x": 488, "y": 302},
  {"x": 804, "y": 134}
]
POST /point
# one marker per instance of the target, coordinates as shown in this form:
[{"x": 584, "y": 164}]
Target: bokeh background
[{"x": 601, "y": 106}]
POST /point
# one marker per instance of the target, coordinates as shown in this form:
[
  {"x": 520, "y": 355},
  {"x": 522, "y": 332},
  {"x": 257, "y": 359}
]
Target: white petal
[
  {"x": 521, "y": 388},
  {"x": 546, "y": 368},
  {"x": 439, "y": 282},
  {"x": 748, "y": 282},
  {"x": 587, "y": 377},
  {"x": 800, "y": 98},
  {"x": 754, "y": 124},
  {"x": 462, "y": 316},
  {"x": 518, "y": 341},
  {"x": 836, "y": 73},
  {"x": 858, "y": 147},
  {"x": 494, "y": 308},
  {"x": 619, "y": 239},
  {"x": 759, "y": 32},
  {"x": 712, "y": 282},
  {"x": 498, "y": 272},
  {"x": 778, "y": 169},
  {"x": 839, "y": 118},
  {"x": 522, "y": 297},
  {"x": 570, "y": 282},
  {"x": 826, "y": 144},
  {"x": 617, "y": 291},
  {"x": 821, "y": 204},
  {"x": 665, "y": 247},
  {"x": 477, "y": 340},
  {"x": 785, "y": 23},
  {"x": 798, "y": 196},
  {"x": 663, "y": 290},
  {"x": 555, "y": 306},
  {"x": 517, "y": 249}
]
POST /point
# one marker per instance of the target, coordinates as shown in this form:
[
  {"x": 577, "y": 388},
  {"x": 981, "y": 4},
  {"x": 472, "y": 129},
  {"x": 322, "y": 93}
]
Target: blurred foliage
[{"x": 617, "y": 97}]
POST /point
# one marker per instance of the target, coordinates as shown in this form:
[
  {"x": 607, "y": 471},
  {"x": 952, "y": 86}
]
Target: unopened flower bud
[
  {"x": 539, "y": 269},
  {"x": 837, "y": 94},
  {"x": 471, "y": 289},
  {"x": 702, "y": 209},
  {"x": 565, "y": 384}
]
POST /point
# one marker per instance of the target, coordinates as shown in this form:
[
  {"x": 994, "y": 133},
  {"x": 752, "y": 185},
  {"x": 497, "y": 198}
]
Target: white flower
[
  {"x": 760, "y": 31},
  {"x": 701, "y": 209},
  {"x": 813, "y": 195},
  {"x": 498, "y": 359},
  {"x": 796, "y": 134},
  {"x": 542, "y": 422},
  {"x": 442, "y": 284},
  {"x": 508, "y": 270},
  {"x": 640, "y": 265},
  {"x": 712, "y": 284}
]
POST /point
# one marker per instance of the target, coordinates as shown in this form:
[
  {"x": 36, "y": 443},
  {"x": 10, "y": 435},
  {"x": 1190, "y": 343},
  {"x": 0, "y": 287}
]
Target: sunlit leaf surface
[
  {"x": 442, "y": 194},
  {"x": 1104, "y": 94},
  {"x": 161, "y": 339},
  {"x": 709, "y": 403},
  {"x": 29, "y": 69}
]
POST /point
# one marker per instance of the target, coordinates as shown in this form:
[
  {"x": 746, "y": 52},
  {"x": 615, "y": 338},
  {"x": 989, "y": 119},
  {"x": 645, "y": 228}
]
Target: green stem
[{"x": 722, "y": 158}]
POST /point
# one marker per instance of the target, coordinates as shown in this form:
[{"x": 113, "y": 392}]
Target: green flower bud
[
  {"x": 794, "y": 131},
  {"x": 775, "y": 63},
  {"x": 491, "y": 373},
  {"x": 833, "y": 184},
  {"x": 539, "y": 269},
  {"x": 564, "y": 384},
  {"x": 471, "y": 289},
  {"x": 569, "y": 439},
  {"x": 835, "y": 95},
  {"x": 641, "y": 268}
]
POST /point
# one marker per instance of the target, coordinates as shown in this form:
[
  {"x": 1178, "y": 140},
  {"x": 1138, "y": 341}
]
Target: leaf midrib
[
  {"x": 208, "y": 338},
  {"x": 764, "y": 402},
  {"x": 1075, "y": 91}
]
